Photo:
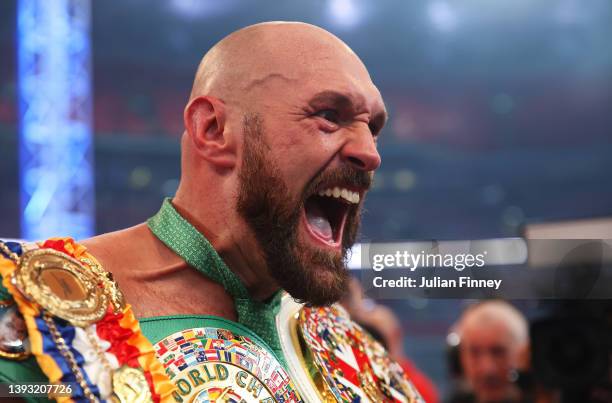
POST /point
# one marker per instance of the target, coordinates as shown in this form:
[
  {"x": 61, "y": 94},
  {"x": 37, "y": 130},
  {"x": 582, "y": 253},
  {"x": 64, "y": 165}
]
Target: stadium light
[{"x": 56, "y": 178}]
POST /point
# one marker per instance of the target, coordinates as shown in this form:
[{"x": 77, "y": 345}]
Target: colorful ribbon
[{"x": 98, "y": 349}]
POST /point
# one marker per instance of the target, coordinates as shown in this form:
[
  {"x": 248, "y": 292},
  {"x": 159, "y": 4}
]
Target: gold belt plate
[{"x": 62, "y": 286}]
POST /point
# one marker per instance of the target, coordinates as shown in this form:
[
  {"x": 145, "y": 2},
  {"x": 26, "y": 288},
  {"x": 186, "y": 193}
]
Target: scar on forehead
[{"x": 269, "y": 77}]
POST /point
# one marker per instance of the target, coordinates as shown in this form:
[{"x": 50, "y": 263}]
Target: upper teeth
[{"x": 348, "y": 195}]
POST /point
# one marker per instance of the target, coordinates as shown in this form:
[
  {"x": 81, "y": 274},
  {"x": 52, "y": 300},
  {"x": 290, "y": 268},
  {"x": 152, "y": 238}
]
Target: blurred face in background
[{"x": 489, "y": 356}]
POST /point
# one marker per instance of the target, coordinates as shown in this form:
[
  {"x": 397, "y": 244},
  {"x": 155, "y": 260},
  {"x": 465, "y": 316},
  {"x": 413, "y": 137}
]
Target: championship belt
[
  {"x": 209, "y": 364},
  {"x": 332, "y": 359},
  {"x": 78, "y": 327}
]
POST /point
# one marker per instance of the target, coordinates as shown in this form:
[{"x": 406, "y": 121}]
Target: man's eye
[{"x": 329, "y": 115}]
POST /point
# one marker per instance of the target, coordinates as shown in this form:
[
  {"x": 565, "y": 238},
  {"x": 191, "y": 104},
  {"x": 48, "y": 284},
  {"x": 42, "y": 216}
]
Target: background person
[{"x": 493, "y": 344}]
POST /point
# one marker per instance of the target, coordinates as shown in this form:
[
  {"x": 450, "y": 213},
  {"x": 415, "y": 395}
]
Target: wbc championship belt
[
  {"x": 332, "y": 359},
  {"x": 210, "y": 364}
]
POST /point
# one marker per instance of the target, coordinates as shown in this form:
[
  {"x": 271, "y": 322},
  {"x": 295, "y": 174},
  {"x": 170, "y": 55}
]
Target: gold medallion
[
  {"x": 130, "y": 386},
  {"x": 62, "y": 286}
]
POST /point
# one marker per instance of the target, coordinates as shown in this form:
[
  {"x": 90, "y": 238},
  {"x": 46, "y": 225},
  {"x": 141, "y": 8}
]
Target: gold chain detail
[
  {"x": 67, "y": 354},
  {"x": 12, "y": 255},
  {"x": 98, "y": 349}
]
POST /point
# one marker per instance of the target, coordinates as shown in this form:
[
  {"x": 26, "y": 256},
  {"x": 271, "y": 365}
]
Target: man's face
[
  {"x": 308, "y": 160},
  {"x": 488, "y": 355}
]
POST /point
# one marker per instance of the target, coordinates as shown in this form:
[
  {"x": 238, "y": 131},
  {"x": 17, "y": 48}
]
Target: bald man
[
  {"x": 493, "y": 345},
  {"x": 278, "y": 152}
]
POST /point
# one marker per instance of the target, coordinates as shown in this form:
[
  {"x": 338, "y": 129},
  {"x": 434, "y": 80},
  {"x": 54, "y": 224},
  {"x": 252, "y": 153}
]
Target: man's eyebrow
[
  {"x": 378, "y": 120},
  {"x": 342, "y": 100},
  {"x": 339, "y": 99}
]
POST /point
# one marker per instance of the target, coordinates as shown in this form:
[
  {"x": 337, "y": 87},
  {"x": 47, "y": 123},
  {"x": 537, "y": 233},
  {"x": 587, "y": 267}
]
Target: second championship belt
[{"x": 332, "y": 359}]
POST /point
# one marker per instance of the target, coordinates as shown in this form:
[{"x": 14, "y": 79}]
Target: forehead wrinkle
[{"x": 257, "y": 82}]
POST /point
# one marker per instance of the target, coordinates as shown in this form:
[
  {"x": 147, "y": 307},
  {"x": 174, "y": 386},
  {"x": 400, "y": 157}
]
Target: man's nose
[
  {"x": 360, "y": 151},
  {"x": 488, "y": 365}
]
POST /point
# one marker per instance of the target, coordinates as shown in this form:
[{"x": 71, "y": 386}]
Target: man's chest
[{"x": 154, "y": 301}]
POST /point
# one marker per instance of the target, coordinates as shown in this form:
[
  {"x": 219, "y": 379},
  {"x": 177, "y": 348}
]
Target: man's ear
[{"x": 205, "y": 125}]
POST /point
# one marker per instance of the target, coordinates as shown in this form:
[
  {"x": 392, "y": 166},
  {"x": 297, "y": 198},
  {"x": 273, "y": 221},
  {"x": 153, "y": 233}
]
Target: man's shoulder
[
  {"x": 147, "y": 271},
  {"x": 108, "y": 247},
  {"x": 131, "y": 247}
]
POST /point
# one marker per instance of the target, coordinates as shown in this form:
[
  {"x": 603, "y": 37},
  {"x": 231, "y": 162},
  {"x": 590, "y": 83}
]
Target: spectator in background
[
  {"x": 493, "y": 347},
  {"x": 383, "y": 325}
]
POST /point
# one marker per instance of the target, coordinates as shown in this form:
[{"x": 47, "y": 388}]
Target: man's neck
[{"x": 238, "y": 249}]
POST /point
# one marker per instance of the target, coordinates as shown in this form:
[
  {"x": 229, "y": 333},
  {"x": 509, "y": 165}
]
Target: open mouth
[{"x": 325, "y": 213}]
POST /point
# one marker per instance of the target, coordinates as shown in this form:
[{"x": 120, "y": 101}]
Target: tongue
[{"x": 318, "y": 222}]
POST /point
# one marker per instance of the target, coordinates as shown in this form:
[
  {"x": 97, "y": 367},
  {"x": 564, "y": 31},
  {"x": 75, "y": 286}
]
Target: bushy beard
[{"x": 311, "y": 275}]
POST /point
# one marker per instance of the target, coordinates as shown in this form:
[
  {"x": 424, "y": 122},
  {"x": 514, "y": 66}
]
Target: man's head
[
  {"x": 281, "y": 142},
  {"x": 494, "y": 338}
]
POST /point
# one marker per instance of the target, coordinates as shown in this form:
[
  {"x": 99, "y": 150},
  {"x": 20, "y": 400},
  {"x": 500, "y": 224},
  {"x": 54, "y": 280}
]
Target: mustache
[{"x": 342, "y": 176}]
